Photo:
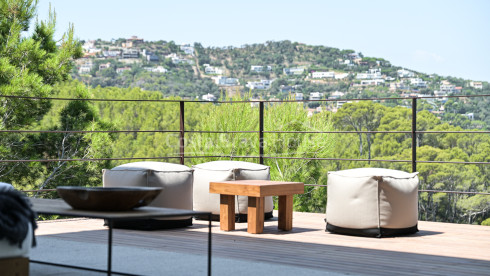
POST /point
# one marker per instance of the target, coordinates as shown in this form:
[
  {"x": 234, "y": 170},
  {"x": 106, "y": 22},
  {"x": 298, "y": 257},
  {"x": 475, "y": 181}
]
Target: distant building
[
  {"x": 260, "y": 69},
  {"x": 209, "y": 97},
  {"x": 321, "y": 75},
  {"x": 448, "y": 88},
  {"x": 341, "y": 76},
  {"x": 371, "y": 74},
  {"x": 402, "y": 73},
  {"x": 262, "y": 84},
  {"x": 418, "y": 82},
  {"x": 476, "y": 84},
  {"x": 85, "y": 68},
  {"x": 188, "y": 49},
  {"x": 316, "y": 96},
  {"x": 375, "y": 82},
  {"x": 293, "y": 71},
  {"x": 399, "y": 86},
  {"x": 132, "y": 42},
  {"x": 336, "y": 95},
  {"x": 210, "y": 70},
  {"x": 177, "y": 59},
  {"x": 225, "y": 81},
  {"x": 158, "y": 69},
  {"x": 150, "y": 56},
  {"x": 298, "y": 96},
  {"x": 111, "y": 54},
  {"x": 103, "y": 66},
  {"x": 130, "y": 53}
]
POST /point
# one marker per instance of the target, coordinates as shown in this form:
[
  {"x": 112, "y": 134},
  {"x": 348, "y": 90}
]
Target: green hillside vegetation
[{"x": 187, "y": 77}]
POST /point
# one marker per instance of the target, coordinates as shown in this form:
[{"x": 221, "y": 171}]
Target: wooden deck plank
[{"x": 438, "y": 249}]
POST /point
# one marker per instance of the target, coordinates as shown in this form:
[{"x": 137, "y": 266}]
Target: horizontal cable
[
  {"x": 424, "y": 191},
  {"x": 213, "y": 131},
  {"x": 334, "y": 159},
  {"x": 88, "y": 131},
  {"x": 314, "y": 185},
  {"x": 241, "y": 101},
  {"x": 85, "y": 159},
  {"x": 245, "y": 131}
]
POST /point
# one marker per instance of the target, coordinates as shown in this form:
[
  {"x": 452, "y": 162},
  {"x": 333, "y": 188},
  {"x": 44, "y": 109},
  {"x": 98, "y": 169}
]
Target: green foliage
[
  {"x": 278, "y": 117},
  {"x": 29, "y": 67}
]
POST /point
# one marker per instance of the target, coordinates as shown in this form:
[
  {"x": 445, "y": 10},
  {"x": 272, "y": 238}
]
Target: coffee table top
[
  {"x": 256, "y": 188},
  {"x": 60, "y": 207}
]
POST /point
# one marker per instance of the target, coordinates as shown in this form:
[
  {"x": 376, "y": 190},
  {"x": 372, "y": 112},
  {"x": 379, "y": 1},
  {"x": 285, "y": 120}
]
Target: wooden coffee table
[{"x": 256, "y": 190}]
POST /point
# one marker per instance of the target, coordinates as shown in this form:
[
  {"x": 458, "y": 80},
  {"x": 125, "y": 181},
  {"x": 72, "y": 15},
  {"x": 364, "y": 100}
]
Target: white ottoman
[
  {"x": 372, "y": 202},
  {"x": 176, "y": 181},
  {"x": 226, "y": 171}
]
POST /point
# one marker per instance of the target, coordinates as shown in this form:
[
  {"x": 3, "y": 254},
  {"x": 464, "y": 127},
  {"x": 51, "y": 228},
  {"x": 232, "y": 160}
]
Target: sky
[{"x": 449, "y": 38}]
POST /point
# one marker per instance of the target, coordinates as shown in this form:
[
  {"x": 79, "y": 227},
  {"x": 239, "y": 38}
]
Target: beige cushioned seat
[
  {"x": 176, "y": 181},
  {"x": 226, "y": 171},
  {"x": 372, "y": 202}
]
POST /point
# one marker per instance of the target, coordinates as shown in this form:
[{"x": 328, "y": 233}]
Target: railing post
[
  {"x": 414, "y": 134},
  {"x": 261, "y": 132},
  {"x": 182, "y": 133}
]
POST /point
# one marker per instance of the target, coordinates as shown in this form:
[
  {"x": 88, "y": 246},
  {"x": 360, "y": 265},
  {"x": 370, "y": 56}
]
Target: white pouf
[
  {"x": 226, "y": 171},
  {"x": 372, "y": 202},
  {"x": 176, "y": 181}
]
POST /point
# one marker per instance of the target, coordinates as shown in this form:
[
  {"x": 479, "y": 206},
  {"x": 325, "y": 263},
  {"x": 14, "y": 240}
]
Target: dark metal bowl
[{"x": 107, "y": 198}]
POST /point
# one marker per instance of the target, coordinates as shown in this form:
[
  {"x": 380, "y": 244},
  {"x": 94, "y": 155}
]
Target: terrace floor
[{"x": 437, "y": 249}]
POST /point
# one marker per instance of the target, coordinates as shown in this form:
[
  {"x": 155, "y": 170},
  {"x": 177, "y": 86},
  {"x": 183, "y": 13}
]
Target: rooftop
[{"x": 437, "y": 249}]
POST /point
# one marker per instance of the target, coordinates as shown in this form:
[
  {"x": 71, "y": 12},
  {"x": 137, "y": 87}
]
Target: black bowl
[{"x": 107, "y": 198}]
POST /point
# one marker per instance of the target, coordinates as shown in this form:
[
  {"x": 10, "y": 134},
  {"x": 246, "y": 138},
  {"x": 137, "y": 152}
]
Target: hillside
[{"x": 274, "y": 70}]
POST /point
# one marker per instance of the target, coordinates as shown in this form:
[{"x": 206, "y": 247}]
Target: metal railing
[{"x": 261, "y": 132}]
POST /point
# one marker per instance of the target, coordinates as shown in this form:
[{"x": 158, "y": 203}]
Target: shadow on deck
[{"x": 437, "y": 249}]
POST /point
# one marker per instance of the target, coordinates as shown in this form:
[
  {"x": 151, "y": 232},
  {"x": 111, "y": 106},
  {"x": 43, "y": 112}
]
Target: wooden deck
[{"x": 438, "y": 249}]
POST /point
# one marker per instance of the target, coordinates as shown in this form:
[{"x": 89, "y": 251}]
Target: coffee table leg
[
  {"x": 227, "y": 212},
  {"x": 255, "y": 216},
  {"x": 285, "y": 212}
]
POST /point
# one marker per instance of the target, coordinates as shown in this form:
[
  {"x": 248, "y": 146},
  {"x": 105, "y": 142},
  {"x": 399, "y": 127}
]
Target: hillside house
[
  {"x": 260, "y": 69},
  {"x": 375, "y": 82},
  {"x": 132, "y": 42},
  {"x": 418, "y": 82},
  {"x": 188, "y": 49},
  {"x": 103, "y": 66},
  {"x": 336, "y": 95},
  {"x": 111, "y": 54},
  {"x": 315, "y": 96},
  {"x": 448, "y": 88},
  {"x": 262, "y": 84},
  {"x": 371, "y": 74},
  {"x": 150, "y": 56},
  {"x": 476, "y": 84},
  {"x": 158, "y": 69},
  {"x": 293, "y": 71},
  {"x": 399, "y": 86},
  {"x": 85, "y": 68},
  {"x": 210, "y": 70},
  {"x": 298, "y": 96},
  {"x": 208, "y": 97},
  {"x": 341, "y": 76},
  {"x": 130, "y": 53},
  {"x": 322, "y": 75},
  {"x": 402, "y": 73},
  {"x": 225, "y": 81},
  {"x": 178, "y": 60}
]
